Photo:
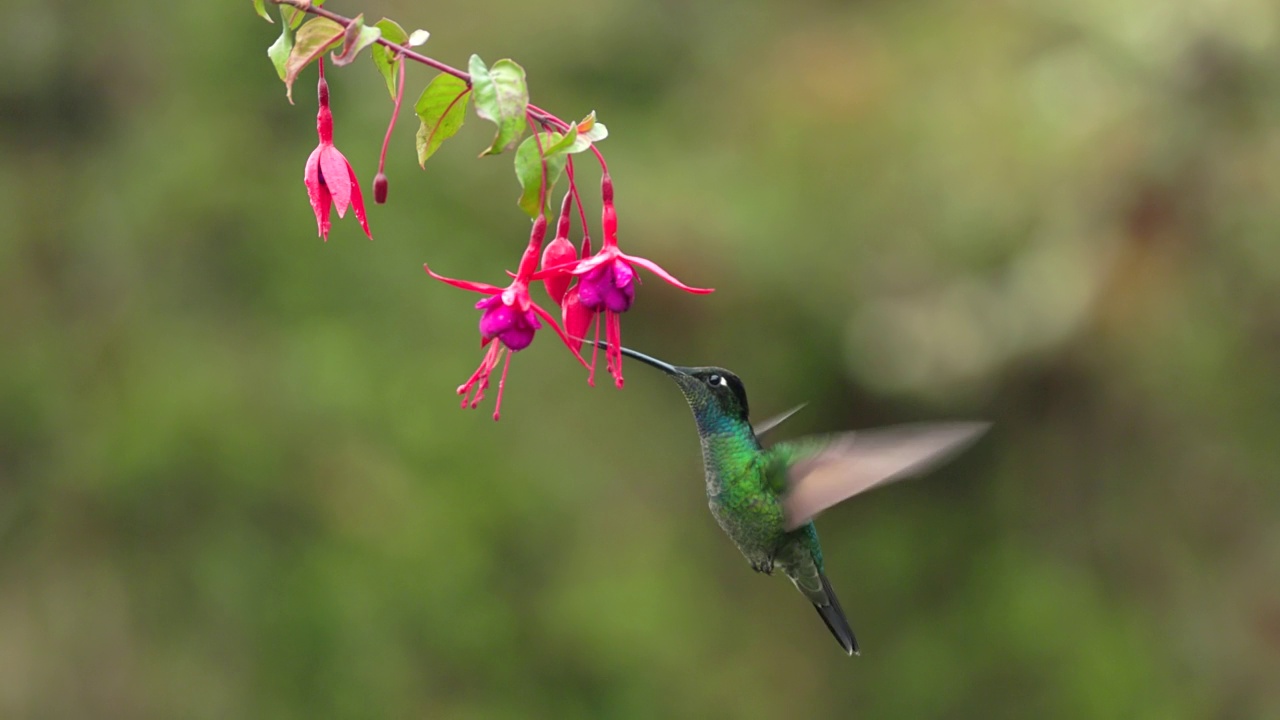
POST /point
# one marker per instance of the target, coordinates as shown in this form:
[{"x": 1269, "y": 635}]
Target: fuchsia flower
[
  {"x": 606, "y": 284},
  {"x": 510, "y": 317},
  {"x": 328, "y": 176},
  {"x": 507, "y": 322}
]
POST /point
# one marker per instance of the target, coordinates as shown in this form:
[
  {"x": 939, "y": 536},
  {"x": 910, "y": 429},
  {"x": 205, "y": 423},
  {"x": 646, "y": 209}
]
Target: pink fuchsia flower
[
  {"x": 606, "y": 284},
  {"x": 609, "y": 286},
  {"x": 511, "y": 318},
  {"x": 507, "y": 323},
  {"x": 329, "y": 178}
]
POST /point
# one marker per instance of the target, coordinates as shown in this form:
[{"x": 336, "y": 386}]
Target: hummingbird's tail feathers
[{"x": 833, "y": 616}]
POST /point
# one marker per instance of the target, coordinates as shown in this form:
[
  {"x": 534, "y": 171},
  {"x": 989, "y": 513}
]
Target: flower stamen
[{"x": 502, "y": 383}]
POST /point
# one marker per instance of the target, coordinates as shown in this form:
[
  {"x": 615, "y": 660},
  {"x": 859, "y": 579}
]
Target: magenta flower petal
[
  {"x": 317, "y": 193},
  {"x": 520, "y": 337},
  {"x": 577, "y": 319},
  {"x": 497, "y": 318},
  {"x": 608, "y": 287},
  {"x": 591, "y": 290},
  {"x": 464, "y": 284},
  {"x": 514, "y": 327},
  {"x": 336, "y": 174},
  {"x": 311, "y": 171},
  {"x": 654, "y": 268},
  {"x": 622, "y": 273},
  {"x": 357, "y": 201}
]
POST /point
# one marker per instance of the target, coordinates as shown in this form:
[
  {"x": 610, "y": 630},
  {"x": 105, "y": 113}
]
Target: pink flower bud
[
  {"x": 380, "y": 188},
  {"x": 558, "y": 252}
]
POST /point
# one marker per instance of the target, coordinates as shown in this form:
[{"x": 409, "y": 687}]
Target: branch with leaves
[{"x": 590, "y": 289}]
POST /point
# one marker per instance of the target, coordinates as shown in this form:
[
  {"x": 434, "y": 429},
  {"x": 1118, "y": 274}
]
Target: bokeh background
[{"x": 235, "y": 482}]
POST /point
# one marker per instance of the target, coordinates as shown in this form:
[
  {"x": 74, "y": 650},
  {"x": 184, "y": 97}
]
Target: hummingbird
[{"x": 765, "y": 499}]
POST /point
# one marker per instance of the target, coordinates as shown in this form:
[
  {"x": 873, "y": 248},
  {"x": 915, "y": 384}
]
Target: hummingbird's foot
[{"x": 765, "y": 566}]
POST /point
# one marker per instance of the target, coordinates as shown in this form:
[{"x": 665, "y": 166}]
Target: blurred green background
[{"x": 235, "y": 482}]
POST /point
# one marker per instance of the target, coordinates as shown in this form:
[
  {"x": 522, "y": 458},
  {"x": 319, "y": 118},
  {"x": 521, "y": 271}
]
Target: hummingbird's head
[{"x": 712, "y": 392}]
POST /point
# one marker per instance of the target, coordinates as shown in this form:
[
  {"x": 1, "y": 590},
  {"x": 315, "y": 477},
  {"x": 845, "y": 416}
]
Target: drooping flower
[
  {"x": 329, "y": 178},
  {"x": 606, "y": 283},
  {"x": 511, "y": 318},
  {"x": 507, "y": 323},
  {"x": 610, "y": 286}
]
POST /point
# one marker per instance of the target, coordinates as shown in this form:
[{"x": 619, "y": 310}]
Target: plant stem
[
  {"x": 542, "y": 116},
  {"x": 395, "y": 113}
]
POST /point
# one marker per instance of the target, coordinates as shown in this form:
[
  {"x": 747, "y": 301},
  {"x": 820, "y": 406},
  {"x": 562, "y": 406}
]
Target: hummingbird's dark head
[
  {"x": 713, "y": 389},
  {"x": 712, "y": 392}
]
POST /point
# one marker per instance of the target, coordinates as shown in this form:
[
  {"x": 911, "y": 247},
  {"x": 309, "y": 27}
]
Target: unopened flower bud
[
  {"x": 566, "y": 216},
  {"x": 380, "y": 188},
  {"x": 558, "y": 252}
]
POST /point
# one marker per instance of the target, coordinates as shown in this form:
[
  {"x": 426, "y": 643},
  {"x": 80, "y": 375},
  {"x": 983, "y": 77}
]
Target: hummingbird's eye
[{"x": 716, "y": 380}]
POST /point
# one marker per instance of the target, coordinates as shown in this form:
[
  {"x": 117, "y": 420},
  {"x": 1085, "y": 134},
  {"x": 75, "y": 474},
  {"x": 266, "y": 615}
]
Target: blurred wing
[
  {"x": 776, "y": 420},
  {"x": 855, "y": 462}
]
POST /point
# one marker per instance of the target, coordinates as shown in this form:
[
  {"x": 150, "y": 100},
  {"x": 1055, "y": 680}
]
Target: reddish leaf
[{"x": 311, "y": 41}]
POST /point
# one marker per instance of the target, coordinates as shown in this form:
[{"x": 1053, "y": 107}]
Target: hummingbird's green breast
[{"x": 740, "y": 493}]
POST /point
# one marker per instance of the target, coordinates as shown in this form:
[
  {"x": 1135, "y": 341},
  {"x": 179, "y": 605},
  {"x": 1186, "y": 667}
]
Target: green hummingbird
[{"x": 765, "y": 499}]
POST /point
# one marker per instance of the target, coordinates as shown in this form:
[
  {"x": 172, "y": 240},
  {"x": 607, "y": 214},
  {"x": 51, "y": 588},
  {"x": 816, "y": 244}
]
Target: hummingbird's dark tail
[{"x": 834, "y": 617}]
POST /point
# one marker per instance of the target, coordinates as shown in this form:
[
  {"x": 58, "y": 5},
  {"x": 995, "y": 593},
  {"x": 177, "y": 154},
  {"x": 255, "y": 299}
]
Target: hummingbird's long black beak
[{"x": 664, "y": 367}]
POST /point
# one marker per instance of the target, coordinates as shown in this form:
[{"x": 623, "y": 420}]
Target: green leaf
[
  {"x": 280, "y": 49},
  {"x": 529, "y": 167},
  {"x": 294, "y": 16},
  {"x": 314, "y": 37},
  {"x": 384, "y": 58},
  {"x": 357, "y": 37},
  {"x": 561, "y": 145},
  {"x": 418, "y": 37},
  {"x": 589, "y": 132},
  {"x": 392, "y": 31},
  {"x": 501, "y": 97},
  {"x": 259, "y": 6},
  {"x": 441, "y": 108}
]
